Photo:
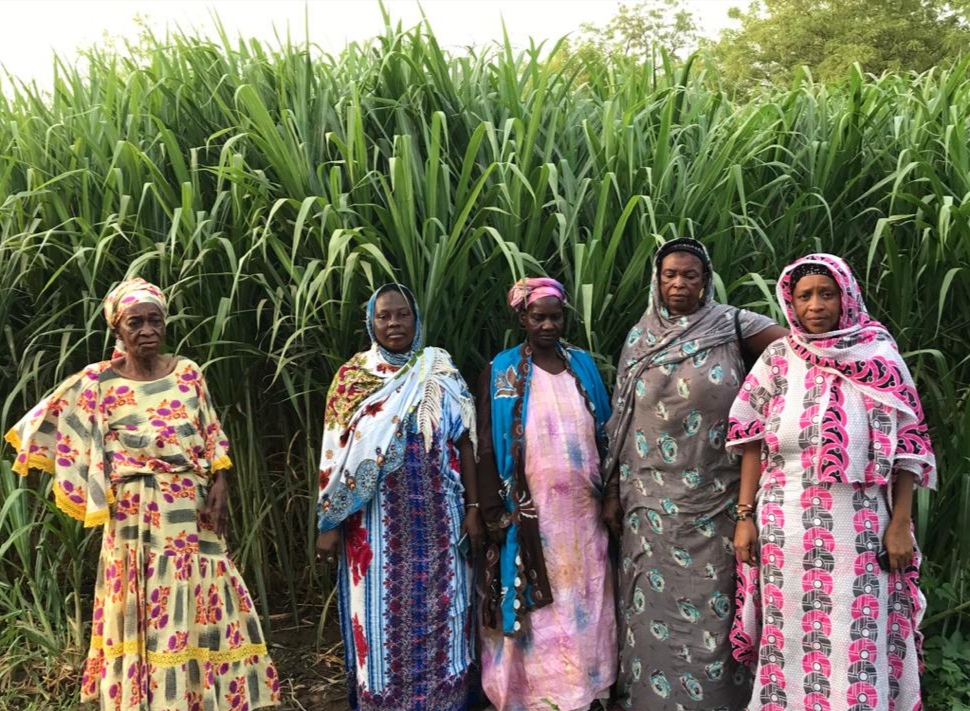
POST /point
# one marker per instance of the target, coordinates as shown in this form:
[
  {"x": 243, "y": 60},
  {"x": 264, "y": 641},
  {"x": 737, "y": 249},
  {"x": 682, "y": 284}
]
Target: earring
[{"x": 701, "y": 295}]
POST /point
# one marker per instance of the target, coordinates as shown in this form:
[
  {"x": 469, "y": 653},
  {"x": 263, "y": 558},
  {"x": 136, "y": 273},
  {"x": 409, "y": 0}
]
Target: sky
[{"x": 33, "y": 30}]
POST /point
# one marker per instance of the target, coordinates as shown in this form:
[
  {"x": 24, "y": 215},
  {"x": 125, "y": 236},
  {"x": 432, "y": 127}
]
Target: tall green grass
[{"x": 269, "y": 190}]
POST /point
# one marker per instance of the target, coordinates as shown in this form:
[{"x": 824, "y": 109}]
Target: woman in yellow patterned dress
[{"x": 134, "y": 445}]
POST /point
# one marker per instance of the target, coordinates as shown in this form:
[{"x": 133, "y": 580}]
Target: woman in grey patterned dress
[{"x": 672, "y": 488}]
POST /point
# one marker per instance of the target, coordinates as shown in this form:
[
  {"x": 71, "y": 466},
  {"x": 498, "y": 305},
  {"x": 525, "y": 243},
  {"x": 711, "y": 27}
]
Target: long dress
[
  {"x": 826, "y": 628},
  {"x": 174, "y": 626},
  {"x": 678, "y": 486},
  {"x": 405, "y": 590},
  {"x": 567, "y": 654}
]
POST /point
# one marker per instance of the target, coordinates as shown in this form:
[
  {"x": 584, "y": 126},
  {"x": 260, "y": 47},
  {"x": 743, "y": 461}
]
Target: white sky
[{"x": 32, "y": 30}]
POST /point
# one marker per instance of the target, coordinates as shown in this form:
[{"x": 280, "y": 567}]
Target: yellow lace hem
[
  {"x": 174, "y": 659},
  {"x": 34, "y": 461},
  {"x": 223, "y": 462}
]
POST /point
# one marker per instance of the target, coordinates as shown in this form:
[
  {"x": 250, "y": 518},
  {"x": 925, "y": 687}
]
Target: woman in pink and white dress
[{"x": 834, "y": 443}]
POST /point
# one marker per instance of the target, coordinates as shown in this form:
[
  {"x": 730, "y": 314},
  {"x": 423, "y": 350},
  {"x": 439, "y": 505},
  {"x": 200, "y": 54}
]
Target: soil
[{"x": 311, "y": 675}]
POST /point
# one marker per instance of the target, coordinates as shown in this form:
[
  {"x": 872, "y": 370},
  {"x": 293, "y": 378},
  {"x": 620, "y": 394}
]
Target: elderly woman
[
  {"x": 834, "y": 442},
  {"x": 679, "y": 371},
  {"x": 550, "y": 631},
  {"x": 397, "y": 501},
  {"x": 135, "y": 446}
]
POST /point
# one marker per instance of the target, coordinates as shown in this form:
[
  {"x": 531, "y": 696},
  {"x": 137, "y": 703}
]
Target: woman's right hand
[
  {"x": 613, "y": 516},
  {"x": 746, "y": 541},
  {"x": 328, "y": 546}
]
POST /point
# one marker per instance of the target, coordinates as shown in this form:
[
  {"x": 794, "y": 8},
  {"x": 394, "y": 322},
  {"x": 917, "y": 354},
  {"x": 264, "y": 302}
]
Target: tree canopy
[{"x": 776, "y": 37}]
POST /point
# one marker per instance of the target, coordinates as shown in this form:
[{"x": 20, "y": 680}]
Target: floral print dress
[{"x": 174, "y": 627}]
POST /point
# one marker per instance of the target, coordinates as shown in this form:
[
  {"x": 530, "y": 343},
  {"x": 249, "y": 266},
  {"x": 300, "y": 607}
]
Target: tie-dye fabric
[
  {"x": 173, "y": 625},
  {"x": 564, "y": 654},
  {"x": 838, "y": 416}
]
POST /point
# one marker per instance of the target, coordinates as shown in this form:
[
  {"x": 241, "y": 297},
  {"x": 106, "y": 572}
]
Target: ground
[{"x": 312, "y": 676}]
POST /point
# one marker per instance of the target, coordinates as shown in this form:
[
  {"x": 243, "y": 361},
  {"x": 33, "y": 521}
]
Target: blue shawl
[{"x": 511, "y": 370}]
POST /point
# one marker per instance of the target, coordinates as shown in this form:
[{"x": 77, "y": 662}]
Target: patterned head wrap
[
  {"x": 528, "y": 290},
  {"x": 684, "y": 244},
  {"x": 854, "y": 313},
  {"x": 127, "y": 294},
  {"x": 809, "y": 269},
  {"x": 417, "y": 344}
]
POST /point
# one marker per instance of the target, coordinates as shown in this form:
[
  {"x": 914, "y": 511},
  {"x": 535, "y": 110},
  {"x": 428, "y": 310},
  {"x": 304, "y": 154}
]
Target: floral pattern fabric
[
  {"x": 390, "y": 478},
  {"x": 174, "y": 626}
]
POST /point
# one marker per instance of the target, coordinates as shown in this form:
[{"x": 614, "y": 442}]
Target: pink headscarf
[
  {"x": 530, "y": 289},
  {"x": 863, "y": 352}
]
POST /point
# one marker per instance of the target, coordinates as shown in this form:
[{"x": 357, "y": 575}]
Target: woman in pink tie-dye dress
[{"x": 834, "y": 444}]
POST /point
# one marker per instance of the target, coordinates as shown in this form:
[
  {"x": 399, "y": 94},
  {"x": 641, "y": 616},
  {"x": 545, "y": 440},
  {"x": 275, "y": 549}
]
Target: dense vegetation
[{"x": 268, "y": 191}]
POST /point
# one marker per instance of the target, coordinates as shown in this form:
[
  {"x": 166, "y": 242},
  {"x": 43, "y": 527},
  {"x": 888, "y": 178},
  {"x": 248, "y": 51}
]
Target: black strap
[{"x": 742, "y": 345}]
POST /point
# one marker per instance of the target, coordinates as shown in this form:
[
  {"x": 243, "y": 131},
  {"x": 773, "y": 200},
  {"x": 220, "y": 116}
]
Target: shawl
[
  {"x": 660, "y": 338},
  {"x": 519, "y": 564},
  {"x": 369, "y": 403},
  {"x": 865, "y": 357}
]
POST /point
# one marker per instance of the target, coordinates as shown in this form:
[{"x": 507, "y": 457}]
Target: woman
[
  {"x": 550, "y": 631},
  {"x": 397, "y": 495},
  {"x": 834, "y": 442},
  {"x": 679, "y": 371},
  {"x": 135, "y": 446}
]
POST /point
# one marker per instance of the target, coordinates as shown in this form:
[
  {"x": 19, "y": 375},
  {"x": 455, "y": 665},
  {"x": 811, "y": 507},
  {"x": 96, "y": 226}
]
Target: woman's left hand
[
  {"x": 898, "y": 542},
  {"x": 217, "y": 505},
  {"x": 474, "y": 526}
]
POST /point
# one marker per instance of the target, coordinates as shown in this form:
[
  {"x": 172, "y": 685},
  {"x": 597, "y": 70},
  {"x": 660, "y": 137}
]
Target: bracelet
[
  {"x": 742, "y": 516},
  {"x": 475, "y": 505}
]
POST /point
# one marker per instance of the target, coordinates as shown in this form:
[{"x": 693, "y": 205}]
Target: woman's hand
[
  {"x": 474, "y": 526},
  {"x": 746, "y": 541},
  {"x": 217, "y": 505},
  {"x": 898, "y": 542},
  {"x": 328, "y": 546},
  {"x": 613, "y": 516}
]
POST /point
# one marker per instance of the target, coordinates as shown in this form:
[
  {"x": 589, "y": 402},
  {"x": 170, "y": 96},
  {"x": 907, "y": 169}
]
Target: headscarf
[
  {"x": 862, "y": 352},
  {"x": 530, "y": 289},
  {"x": 369, "y": 404},
  {"x": 660, "y": 338},
  {"x": 416, "y": 345},
  {"x": 127, "y": 294}
]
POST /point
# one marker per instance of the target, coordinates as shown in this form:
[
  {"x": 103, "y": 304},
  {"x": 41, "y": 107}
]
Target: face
[
  {"x": 393, "y": 322},
  {"x": 681, "y": 281},
  {"x": 818, "y": 303},
  {"x": 142, "y": 330},
  {"x": 543, "y": 321}
]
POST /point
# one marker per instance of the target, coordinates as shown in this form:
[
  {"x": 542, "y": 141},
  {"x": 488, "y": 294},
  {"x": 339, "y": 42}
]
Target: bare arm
[
  {"x": 745, "y": 532},
  {"x": 758, "y": 342},
  {"x": 898, "y": 539}
]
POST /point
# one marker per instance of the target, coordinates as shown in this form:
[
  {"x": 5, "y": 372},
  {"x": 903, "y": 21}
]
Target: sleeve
[
  {"x": 914, "y": 449},
  {"x": 489, "y": 482},
  {"x": 752, "y": 323},
  {"x": 749, "y": 410},
  {"x": 216, "y": 442},
  {"x": 63, "y": 436}
]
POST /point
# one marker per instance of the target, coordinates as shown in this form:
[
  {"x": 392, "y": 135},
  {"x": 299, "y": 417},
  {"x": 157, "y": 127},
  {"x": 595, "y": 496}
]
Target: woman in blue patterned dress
[
  {"x": 676, "y": 487},
  {"x": 397, "y": 494}
]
